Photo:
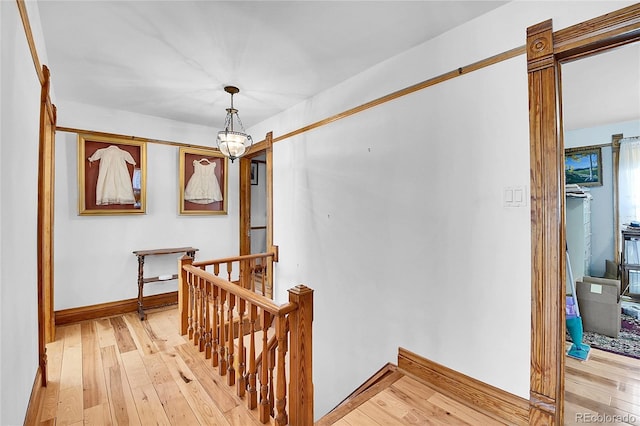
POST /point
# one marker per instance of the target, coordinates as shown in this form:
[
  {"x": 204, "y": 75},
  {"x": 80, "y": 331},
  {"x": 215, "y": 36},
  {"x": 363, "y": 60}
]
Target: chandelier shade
[{"x": 233, "y": 142}]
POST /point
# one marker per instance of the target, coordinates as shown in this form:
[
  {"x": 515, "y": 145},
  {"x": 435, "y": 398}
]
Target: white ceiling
[
  {"x": 602, "y": 89},
  {"x": 172, "y": 59}
]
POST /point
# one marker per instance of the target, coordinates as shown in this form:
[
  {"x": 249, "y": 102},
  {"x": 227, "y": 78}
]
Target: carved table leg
[{"x": 141, "y": 313}]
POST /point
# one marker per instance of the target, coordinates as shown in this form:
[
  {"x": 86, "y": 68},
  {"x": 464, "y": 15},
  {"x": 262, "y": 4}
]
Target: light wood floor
[
  {"x": 605, "y": 389},
  {"x": 123, "y": 371}
]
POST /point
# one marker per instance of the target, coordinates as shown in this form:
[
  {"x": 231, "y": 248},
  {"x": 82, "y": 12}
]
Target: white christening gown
[
  {"x": 114, "y": 182},
  {"x": 203, "y": 186}
]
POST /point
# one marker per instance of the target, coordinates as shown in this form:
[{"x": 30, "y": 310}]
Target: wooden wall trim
[
  {"x": 547, "y": 236},
  {"x": 485, "y": 398},
  {"x": 545, "y": 50},
  {"x": 35, "y": 400},
  {"x": 22, "y": 9},
  {"x": 133, "y": 138},
  {"x": 83, "y": 313}
]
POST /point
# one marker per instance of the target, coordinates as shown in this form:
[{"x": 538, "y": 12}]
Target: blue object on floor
[{"x": 578, "y": 350}]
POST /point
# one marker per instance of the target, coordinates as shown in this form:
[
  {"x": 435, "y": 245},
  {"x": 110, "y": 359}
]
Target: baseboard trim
[
  {"x": 83, "y": 313},
  {"x": 488, "y": 399},
  {"x": 35, "y": 400}
]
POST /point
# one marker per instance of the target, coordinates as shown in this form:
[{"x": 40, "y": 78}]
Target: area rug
[{"x": 628, "y": 342}]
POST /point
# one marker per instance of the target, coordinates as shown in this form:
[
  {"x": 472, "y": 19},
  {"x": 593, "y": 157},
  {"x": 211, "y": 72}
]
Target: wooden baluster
[
  {"x": 203, "y": 311},
  {"x": 229, "y": 270},
  {"x": 215, "y": 327},
  {"x": 272, "y": 365},
  {"x": 263, "y": 278},
  {"x": 231, "y": 372},
  {"x": 281, "y": 383},
  {"x": 216, "y": 269},
  {"x": 207, "y": 320},
  {"x": 242, "y": 382},
  {"x": 252, "y": 397},
  {"x": 251, "y": 275},
  {"x": 192, "y": 296},
  {"x": 222, "y": 361},
  {"x": 264, "y": 370},
  {"x": 196, "y": 311}
]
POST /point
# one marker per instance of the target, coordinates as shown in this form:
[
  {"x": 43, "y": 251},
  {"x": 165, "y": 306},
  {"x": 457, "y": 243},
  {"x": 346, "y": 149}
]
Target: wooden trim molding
[
  {"x": 83, "y": 313},
  {"x": 35, "y": 400},
  {"x": 545, "y": 50},
  {"x": 133, "y": 138},
  {"x": 615, "y": 162},
  {"x": 494, "y": 402},
  {"x": 547, "y": 236},
  {"x": 22, "y": 9}
]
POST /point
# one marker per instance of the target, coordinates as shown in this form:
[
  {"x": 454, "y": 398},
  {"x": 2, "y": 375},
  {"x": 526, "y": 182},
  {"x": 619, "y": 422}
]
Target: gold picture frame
[
  {"x": 203, "y": 181},
  {"x": 100, "y": 158}
]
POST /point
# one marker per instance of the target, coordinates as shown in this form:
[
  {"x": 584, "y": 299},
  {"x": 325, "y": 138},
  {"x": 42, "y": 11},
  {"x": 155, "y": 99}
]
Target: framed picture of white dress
[
  {"x": 111, "y": 175},
  {"x": 203, "y": 181}
]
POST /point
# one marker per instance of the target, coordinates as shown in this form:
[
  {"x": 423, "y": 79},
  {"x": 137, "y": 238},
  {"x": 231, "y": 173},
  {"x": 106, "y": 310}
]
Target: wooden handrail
[
  {"x": 217, "y": 315},
  {"x": 232, "y": 259},
  {"x": 248, "y": 295}
]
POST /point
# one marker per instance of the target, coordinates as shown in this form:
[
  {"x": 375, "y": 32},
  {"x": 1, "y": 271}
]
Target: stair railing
[
  {"x": 251, "y": 271},
  {"x": 224, "y": 318}
]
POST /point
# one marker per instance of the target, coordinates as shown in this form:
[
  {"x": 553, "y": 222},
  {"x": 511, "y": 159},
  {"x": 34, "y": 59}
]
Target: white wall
[
  {"x": 396, "y": 218},
  {"x": 602, "y": 238},
  {"x": 93, "y": 254},
  {"x": 19, "y": 131}
]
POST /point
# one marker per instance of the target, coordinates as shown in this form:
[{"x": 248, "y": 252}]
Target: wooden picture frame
[
  {"x": 254, "y": 172},
  {"x": 583, "y": 166},
  {"x": 101, "y": 158},
  {"x": 203, "y": 181}
]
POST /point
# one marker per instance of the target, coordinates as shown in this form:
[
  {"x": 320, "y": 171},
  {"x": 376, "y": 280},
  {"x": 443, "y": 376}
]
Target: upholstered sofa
[{"x": 599, "y": 304}]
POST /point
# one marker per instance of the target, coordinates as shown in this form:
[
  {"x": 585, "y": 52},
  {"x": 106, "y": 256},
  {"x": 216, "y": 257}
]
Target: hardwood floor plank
[
  {"x": 70, "y": 406},
  {"x": 136, "y": 371},
  {"x": 358, "y": 418},
  {"x": 106, "y": 335},
  {"x": 598, "y": 407},
  {"x": 203, "y": 407},
  {"x": 121, "y": 403},
  {"x": 240, "y": 416},
  {"x": 149, "y": 407},
  {"x": 215, "y": 387},
  {"x": 123, "y": 336},
  {"x": 94, "y": 387},
  {"x": 70, "y": 374},
  {"x": 175, "y": 405},
  {"x": 98, "y": 415},
  {"x": 141, "y": 339},
  {"x": 462, "y": 411}
]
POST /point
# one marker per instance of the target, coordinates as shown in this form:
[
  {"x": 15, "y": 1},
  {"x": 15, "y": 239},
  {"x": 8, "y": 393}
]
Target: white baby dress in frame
[
  {"x": 203, "y": 186},
  {"x": 114, "y": 184}
]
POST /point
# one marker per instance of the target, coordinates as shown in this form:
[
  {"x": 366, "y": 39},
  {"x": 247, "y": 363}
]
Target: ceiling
[
  {"x": 602, "y": 89},
  {"x": 172, "y": 59}
]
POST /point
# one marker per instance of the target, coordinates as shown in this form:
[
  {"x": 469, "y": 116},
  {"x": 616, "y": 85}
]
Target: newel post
[
  {"x": 300, "y": 353},
  {"x": 183, "y": 293}
]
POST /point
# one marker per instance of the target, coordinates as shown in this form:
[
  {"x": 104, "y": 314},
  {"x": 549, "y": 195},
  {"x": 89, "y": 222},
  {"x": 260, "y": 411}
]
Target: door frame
[
  {"x": 546, "y": 49},
  {"x": 264, "y": 147}
]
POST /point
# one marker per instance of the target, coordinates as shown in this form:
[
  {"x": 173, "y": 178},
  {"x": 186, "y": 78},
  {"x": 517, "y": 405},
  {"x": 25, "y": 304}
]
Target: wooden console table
[{"x": 190, "y": 251}]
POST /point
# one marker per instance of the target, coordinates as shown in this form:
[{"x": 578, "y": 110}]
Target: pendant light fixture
[{"x": 233, "y": 142}]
